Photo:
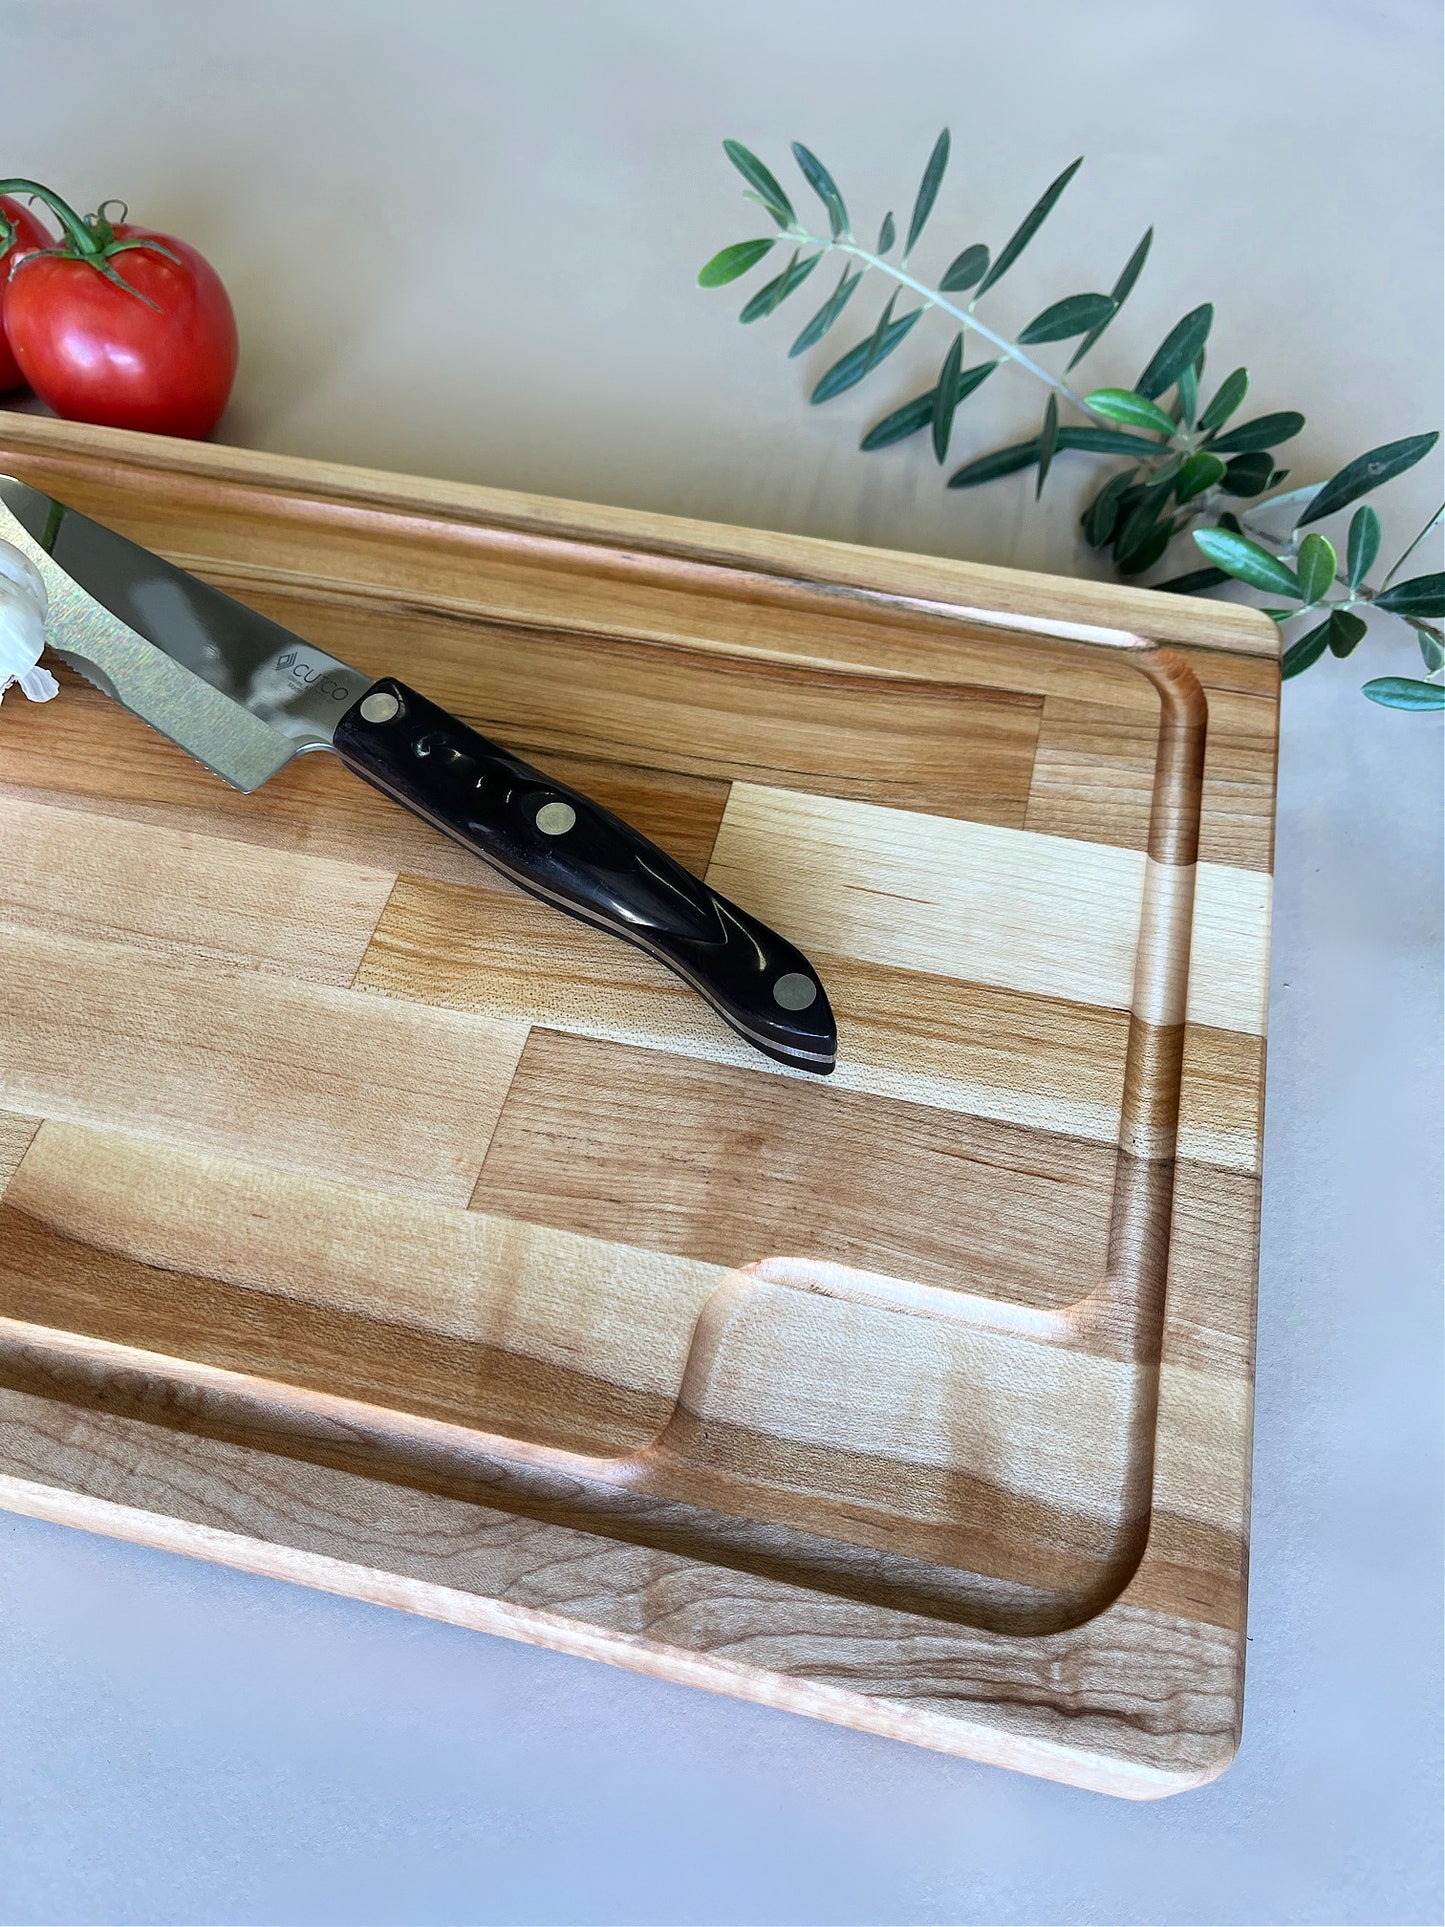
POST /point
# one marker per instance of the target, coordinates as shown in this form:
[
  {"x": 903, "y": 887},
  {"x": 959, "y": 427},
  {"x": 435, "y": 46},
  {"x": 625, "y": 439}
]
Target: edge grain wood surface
[{"x": 365, "y": 1223}]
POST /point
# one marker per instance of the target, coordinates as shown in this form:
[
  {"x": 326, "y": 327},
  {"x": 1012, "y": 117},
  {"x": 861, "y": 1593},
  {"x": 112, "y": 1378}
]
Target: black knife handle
[{"x": 562, "y": 847}]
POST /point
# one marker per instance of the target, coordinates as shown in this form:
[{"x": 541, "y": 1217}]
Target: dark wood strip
[
  {"x": 715, "y": 1162},
  {"x": 949, "y": 749},
  {"x": 47, "y": 1278},
  {"x": 313, "y": 806}
]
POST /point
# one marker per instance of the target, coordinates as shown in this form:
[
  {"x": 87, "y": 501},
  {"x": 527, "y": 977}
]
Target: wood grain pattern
[
  {"x": 1018, "y": 909},
  {"x": 309, "y": 1076},
  {"x": 721, "y": 1164},
  {"x": 365, "y": 1222},
  {"x": 313, "y": 806},
  {"x": 488, "y": 1321},
  {"x": 183, "y": 894},
  {"x": 919, "y": 744},
  {"x": 15, "y": 1136},
  {"x": 511, "y": 958}
]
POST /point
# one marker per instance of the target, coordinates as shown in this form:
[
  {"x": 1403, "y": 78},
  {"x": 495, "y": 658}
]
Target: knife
[{"x": 243, "y": 696}]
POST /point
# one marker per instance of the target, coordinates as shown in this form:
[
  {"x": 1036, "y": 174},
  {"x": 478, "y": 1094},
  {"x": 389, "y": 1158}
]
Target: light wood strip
[
  {"x": 1014, "y": 908},
  {"x": 179, "y": 893},
  {"x": 304, "y": 1078},
  {"x": 720, "y": 1164},
  {"x": 1028, "y": 912},
  {"x": 1221, "y": 1111},
  {"x": 318, "y": 1283},
  {"x": 1094, "y": 773},
  {"x": 1035, "y": 1061},
  {"x": 1229, "y": 956},
  {"x": 1209, "y": 1313}
]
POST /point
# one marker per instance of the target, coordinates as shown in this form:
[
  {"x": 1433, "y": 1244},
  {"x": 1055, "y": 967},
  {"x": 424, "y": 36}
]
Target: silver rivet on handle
[
  {"x": 379, "y": 707},
  {"x": 795, "y": 991},
  {"x": 555, "y": 819}
]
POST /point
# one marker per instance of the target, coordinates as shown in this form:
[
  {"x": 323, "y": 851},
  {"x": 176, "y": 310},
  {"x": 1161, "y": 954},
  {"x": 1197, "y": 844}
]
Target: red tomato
[
  {"x": 161, "y": 358},
  {"x": 28, "y": 234}
]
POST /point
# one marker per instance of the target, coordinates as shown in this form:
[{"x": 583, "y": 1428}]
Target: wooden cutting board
[{"x": 367, "y": 1223}]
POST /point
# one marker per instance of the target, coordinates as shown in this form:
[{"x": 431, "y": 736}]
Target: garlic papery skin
[{"x": 23, "y": 609}]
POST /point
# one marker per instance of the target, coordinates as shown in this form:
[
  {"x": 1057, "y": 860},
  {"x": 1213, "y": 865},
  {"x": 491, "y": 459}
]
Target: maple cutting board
[{"x": 368, "y": 1223}]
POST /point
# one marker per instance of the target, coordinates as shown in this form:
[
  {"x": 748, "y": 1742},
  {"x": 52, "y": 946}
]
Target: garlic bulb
[{"x": 23, "y": 608}]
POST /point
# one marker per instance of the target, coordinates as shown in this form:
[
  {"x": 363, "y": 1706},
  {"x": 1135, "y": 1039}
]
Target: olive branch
[{"x": 1186, "y": 463}]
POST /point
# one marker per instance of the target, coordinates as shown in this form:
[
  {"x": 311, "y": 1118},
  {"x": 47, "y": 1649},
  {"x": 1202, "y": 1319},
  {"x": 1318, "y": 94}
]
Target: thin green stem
[
  {"x": 81, "y": 238},
  {"x": 964, "y": 316},
  {"x": 1406, "y": 553}
]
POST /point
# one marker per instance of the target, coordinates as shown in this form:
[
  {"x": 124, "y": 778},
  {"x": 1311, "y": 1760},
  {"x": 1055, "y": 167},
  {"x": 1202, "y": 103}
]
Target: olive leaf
[
  {"x": 1366, "y": 472},
  {"x": 1101, "y": 518},
  {"x": 887, "y": 235},
  {"x": 918, "y": 413},
  {"x": 1003, "y": 461},
  {"x": 1074, "y": 315},
  {"x": 927, "y": 192},
  {"x": 1300, "y": 655},
  {"x": 945, "y": 397},
  {"x": 1227, "y": 397},
  {"x": 728, "y": 263},
  {"x": 1265, "y": 431},
  {"x": 1316, "y": 567},
  {"x": 824, "y": 186},
  {"x": 823, "y": 320},
  {"x": 1403, "y": 692},
  {"x": 1249, "y": 474},
  {"x": 1030, "y": 225},
  {"x": 1014, "y": 457},
  {"x": 764, "y": 185},
  {"x": 1422, "y": 595},
  {"x": 1148, "y": 554},
  {"x": 850, "y": 369},
  {"x": 1119, "y": 294},
  {"x": 902, "y": 423},
  {"x": 1363, "y": 545},
  {"x": 1177, "y": 351},
  {"x": 1106, "y": 441},
  {"x": 1141, "y": 524},
  {"x": 1346, "y": 629},
  {"x": 1186, "y": 391},
  {"x": 1048, "y": 442},
  {"x": 1193, "y": 581},
  {"x": 774, "y": 293},
  {"x": 1201, "y": 471},
  {"x": 1248, "y": 562},
  {"x": 961, "y": 273},
  {"x": 1129, "y": 407}
]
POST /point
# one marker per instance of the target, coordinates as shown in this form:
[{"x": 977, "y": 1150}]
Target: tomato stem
[
  {"x": 91, "y": 240},
  {"x": 82, "y": 240}
]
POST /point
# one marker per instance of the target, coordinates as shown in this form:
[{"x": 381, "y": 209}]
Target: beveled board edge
[{"x": 803, "y": 561}]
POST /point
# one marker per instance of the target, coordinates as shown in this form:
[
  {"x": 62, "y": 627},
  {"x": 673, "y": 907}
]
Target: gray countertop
[{"x": 462, "y": 241}]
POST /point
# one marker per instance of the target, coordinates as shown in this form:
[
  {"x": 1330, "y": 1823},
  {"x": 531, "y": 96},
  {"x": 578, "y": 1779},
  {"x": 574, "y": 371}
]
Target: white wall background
[{"x": 462, "y": 241}]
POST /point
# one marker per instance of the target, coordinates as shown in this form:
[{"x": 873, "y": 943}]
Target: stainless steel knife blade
[{"x": 237, "y": 691}]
